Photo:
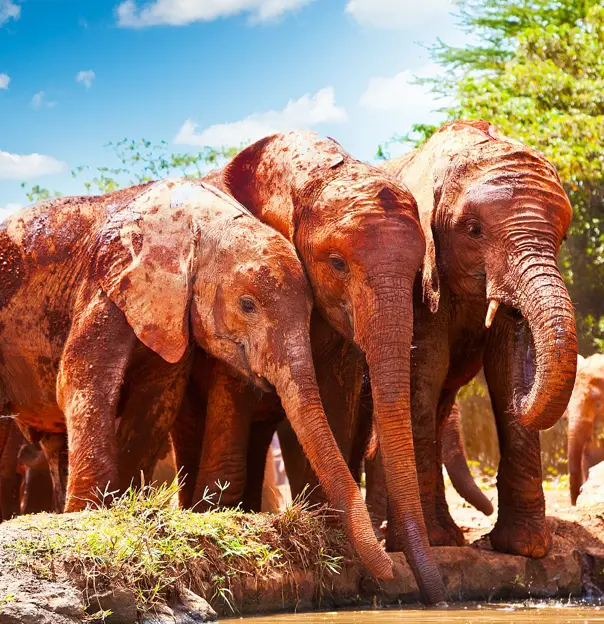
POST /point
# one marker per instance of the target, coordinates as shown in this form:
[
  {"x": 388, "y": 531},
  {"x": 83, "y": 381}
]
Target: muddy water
[{"x": 493, "y": 614}]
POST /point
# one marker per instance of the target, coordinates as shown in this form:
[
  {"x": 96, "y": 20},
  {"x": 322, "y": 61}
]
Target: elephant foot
[
  {"x": 528, "y": 537},
  {"x": 444, "y": 534},
  {"x": 437, "y": 536}
]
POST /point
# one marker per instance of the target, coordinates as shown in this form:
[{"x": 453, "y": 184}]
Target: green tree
[
  {"x": 140, "y": 161},
  {"x": 537, "y": 71}
]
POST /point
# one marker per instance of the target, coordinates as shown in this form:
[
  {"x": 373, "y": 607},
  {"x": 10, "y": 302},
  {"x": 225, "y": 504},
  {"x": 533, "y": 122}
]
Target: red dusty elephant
[
  {"x": 25, "y": 483},
  {"x": 357, "y": 233},
  {"x": 494, "y": 214},
  {"x": 585, "y": 410},
  {"x": 454, "y": 459},
  {"x": 101, "y": 299}
]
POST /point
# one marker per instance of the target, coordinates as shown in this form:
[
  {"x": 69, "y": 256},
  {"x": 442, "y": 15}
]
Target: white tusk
[{"x": 493, "y": 305}]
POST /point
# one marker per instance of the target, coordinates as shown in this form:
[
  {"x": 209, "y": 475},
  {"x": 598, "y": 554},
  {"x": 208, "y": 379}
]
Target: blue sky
[{"x": 76, "y": 74}]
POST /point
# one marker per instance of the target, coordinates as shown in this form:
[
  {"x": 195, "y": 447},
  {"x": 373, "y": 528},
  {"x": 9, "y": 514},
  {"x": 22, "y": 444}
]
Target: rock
[
  {"x": 162, "y": 614},
  {"x": 592, "y": 491},
  {"x": 189, "y": 608},
  {"x": 184, "y": 607},
  {"x": 121, "y": 602},
  {"x": 54, "y": 605}
]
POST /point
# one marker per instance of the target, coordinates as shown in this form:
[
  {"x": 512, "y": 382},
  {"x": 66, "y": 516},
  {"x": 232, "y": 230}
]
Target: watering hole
[{"x": 542, "y": 613}]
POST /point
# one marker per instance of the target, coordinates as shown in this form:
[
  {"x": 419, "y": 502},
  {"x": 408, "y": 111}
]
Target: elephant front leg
[
  {"x": 225, "y": 442},
  {"x": 521, "y": 527},
  {"x": 10, "y": 480},
  {"x": 261, "y": 434},
  {"x": 91, "y": 374},
  {"x": 430, "y": 363},
  {"x": 154, "y": 391},
  {"x": 54, "y": 447}
]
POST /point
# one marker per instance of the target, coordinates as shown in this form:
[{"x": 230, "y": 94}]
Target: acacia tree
[
  {"x": 138, "y": 162},
  {"x": 537, "y": 72}
]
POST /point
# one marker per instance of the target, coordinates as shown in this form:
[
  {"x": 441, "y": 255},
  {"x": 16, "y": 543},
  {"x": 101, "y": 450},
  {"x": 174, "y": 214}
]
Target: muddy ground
[{"x": 42, "y": 580}]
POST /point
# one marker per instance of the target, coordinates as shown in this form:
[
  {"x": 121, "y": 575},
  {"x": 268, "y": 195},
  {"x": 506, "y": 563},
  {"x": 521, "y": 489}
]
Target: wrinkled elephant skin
[
  {"x": 101, "y": 299},
  {"x": 585, "y": 410},
  {"x": 494, "y": 214},
  {"x": 358, "y": 235}
]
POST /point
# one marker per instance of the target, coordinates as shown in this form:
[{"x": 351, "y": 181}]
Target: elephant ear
[
  {"x": 414, "y": 171},
  {"x": 145, "y": 259}
]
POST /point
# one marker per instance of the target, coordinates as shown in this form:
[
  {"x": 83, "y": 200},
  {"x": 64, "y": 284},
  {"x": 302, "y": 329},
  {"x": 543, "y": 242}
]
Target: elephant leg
[
  {"x": 301, "y": 477},
  {"x": 261, "y": 434},
  {"x": 271, "y": 496},
  {"x": 54, "y": 447},
  {"x": 225, "y": 441},
  {"x": 187, "y": 438},
  {"x": 521, "y": 527},
  {"x": 10, "y": 479},
  {"x": 376, "y": 495},
  {"x": 153, "y": 396},
  {"x": 188, "y": 429},
  {"x": 91, "y": 374},
  {"x": 430, "y": 363},
  {"x": 37, "y": 492}
]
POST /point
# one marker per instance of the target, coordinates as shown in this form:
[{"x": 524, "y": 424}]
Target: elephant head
[
  {"x": 358, "y": 234},
  {"x": 183, "y": 258},
  {"x": 494, "y": 214},
  {"x": 586, "y": 407}
]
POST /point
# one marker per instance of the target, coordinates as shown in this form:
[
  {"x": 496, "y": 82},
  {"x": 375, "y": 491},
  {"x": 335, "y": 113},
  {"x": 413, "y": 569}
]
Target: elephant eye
[
  {"x": 474, "y": 229},
  {"x": 247, "y": 305},
  {"x": 338, "y": 263}
]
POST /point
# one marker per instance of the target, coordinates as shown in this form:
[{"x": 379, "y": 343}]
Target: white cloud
[
  {"x": 399, "y": 94},
  {"x": 307, "y": 111},
  {"x": 183, "y": 12},
  {"x": 39, "y": 101},
  {"x": 9, "y": 10},
  {"x": 397, "y": 14},
  {"x": 86, "y": 77},
  {"x": 8, "y": 210},
  {"x": 4, "y": 81},
  {"x": 27, "y": 166}
]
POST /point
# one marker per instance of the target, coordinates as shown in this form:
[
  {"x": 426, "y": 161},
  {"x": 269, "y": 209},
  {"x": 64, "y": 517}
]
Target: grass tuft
[{"x": 145, "y": 544}]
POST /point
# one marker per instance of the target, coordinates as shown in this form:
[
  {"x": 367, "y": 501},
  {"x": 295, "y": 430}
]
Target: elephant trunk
[
  {"x": 545, "y": 304},
  {"x": 384, "y": 329},
  {"x": 579, "y": 431},
  {"x": 456, "y": 463},
  {"x": 297, "y": 387}
]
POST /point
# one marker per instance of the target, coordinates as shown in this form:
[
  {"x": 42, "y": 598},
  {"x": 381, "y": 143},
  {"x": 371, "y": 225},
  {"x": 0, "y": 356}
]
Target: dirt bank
[{"x": 145, "y": 555}]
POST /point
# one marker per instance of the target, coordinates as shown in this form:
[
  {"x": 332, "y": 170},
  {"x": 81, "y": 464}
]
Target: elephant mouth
[{"x": 261, "y": 382}]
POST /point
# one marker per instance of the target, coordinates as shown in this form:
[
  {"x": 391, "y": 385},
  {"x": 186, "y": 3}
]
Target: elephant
[
  {"x": 36, "y": 491},
  {"x": 494, "y": 215},
  {"x": 101, "y": 300},
  {"x": 585, "y": 409},
  {"x": 454, "y": 459},
  {"x": 25, "y": 483},
  {"x": 358, "y": 235}
]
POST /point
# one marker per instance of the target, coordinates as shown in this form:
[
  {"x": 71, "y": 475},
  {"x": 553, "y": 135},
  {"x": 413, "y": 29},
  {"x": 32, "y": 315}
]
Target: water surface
[{"x": 491, "y": 614}]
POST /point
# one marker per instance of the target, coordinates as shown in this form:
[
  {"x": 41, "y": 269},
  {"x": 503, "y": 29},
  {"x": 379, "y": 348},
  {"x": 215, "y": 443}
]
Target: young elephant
[
  {"x": 585, "y": 409},
  {"x": 494, "y": 214},
  {"x": 101, "y": 299},
  {"x": 358, "y": 235}
]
